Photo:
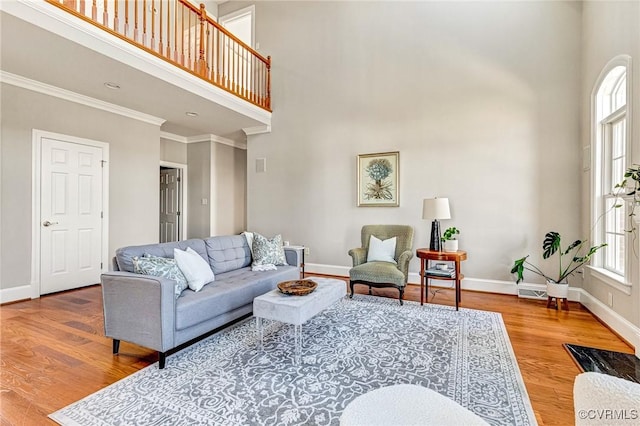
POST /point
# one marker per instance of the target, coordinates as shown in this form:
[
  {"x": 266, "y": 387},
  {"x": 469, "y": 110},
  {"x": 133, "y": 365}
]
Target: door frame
[
  {"x": 183, "y": 194},
  {"x": 36, "y": 165}
]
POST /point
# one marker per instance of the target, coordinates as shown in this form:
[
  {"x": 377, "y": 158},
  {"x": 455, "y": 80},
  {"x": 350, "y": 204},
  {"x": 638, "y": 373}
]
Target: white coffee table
[{"x": 296, "y": 310}]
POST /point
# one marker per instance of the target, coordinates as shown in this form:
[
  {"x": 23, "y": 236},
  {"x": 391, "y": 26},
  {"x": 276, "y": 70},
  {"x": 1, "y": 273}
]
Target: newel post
[{"x": 202, "y": 63}]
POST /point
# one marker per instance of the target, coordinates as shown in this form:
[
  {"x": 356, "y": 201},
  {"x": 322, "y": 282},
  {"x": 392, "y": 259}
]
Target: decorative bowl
[{"x": 297, "y": 287}]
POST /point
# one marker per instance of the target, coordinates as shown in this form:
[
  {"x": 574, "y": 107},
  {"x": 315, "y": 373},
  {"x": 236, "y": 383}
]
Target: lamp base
[{"x": 435, "y": 244}]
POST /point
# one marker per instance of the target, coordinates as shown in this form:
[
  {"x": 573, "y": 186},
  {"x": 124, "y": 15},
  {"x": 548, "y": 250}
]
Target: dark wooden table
[{"x": 426, "y": 256}]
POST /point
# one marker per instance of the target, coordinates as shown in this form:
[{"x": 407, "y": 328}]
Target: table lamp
[{"x": 435, "y": 208}]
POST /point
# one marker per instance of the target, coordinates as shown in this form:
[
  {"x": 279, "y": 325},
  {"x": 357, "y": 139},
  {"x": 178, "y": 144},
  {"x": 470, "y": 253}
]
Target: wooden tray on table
[{"x": 297, "y": 287}]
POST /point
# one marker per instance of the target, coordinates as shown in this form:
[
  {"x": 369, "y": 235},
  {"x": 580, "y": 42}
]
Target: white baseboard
[
  {"x": 620, "y": 325},
  {"x": 318, "y": 268},
  {"x": 15, "y": 293},
  {"x": 611, "y": 318},
  {"x": 475, "y": 284}
]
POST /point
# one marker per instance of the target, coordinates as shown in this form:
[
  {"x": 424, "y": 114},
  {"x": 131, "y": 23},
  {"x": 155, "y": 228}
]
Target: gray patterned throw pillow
[
  {"x": 268, "y": 252},
  {"x": 160, "y": 267}
]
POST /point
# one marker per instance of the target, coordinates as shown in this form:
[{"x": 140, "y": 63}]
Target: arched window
[{"x": 611, "y": 148}]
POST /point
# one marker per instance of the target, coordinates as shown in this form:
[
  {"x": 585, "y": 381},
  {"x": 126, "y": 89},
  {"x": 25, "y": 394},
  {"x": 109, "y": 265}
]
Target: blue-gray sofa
[{"x": 144, "y": 310}]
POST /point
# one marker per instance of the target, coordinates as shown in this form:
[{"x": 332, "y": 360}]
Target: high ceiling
[{"x": 30, "y": 51}]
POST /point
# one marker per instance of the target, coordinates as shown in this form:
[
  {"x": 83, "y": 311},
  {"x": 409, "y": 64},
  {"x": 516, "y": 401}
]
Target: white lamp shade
[{"x": 435, "y": 208}]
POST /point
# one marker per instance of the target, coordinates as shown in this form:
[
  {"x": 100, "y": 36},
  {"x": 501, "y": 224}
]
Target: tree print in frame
[{"x": 378, "y": 180}]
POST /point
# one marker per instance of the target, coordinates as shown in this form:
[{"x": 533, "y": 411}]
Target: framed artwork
[{"x": 378, "y": 179}]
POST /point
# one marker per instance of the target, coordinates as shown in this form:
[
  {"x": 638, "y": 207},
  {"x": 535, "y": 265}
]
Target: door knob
[{"x": 47, "y": 223}]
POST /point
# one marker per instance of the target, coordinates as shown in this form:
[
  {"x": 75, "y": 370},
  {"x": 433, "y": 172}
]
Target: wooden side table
[{"x": 426, "y": 256}]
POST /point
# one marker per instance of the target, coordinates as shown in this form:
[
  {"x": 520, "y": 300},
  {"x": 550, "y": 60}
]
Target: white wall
[
  {"x": 133, "y": 186},
  {"x": 228, "y": 189},
  {"x": 611, "y": 29},
  {"x": 172, "y": 151},
  {"x": 199, "y": 163},
  {"x": 481, "y": 99}
]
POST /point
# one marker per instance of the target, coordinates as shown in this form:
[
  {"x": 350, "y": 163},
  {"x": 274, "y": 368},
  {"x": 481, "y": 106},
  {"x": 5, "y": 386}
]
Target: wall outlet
[
  {"x": 610, "y": 299},
  {"x": 307, "y": 251}
]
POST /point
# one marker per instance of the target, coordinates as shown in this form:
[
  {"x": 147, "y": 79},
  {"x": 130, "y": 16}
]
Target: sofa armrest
[
  {"x": 358, "y": 255},
  {"x": 139, "y": 309},
  {"x": 293, "y": 255},
  {"x": 403, "y": 263}
]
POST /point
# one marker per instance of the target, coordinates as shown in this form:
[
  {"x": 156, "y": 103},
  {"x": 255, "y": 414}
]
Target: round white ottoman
[{"x": 406, "y": 405}]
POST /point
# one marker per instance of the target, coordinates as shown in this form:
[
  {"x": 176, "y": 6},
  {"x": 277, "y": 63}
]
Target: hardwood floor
[{"x": 52, "y": 350}]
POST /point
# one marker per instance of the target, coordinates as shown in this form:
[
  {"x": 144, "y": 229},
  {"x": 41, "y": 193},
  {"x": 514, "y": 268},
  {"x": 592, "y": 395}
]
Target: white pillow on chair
[
  {"x": 195, "y": 269},
  {"x": 382, "y": 251}
]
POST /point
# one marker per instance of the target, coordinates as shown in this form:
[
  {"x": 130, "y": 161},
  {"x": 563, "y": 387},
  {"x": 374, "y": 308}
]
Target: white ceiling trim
[
  {"x": 68, "y": 26},
  {"x": 46, "y": 89},
  {"x": 203, "y": 138},
  {"x": 257, "y": 130},
  {"x": 173, "y": 137},
  {"x": 229, "y": 142}
]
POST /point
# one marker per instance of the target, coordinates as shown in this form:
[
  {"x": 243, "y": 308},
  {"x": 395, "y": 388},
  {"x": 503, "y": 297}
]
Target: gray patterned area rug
[{"x": 349, "y": 349}]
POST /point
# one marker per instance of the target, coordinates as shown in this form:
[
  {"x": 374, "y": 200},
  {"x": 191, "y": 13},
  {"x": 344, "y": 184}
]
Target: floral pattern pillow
[
  {"x": 161, "y": 267},
  {"x": 268, "y": 252}
]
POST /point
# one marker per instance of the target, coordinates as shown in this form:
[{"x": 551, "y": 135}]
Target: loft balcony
[{"x": 169, "y": 57}]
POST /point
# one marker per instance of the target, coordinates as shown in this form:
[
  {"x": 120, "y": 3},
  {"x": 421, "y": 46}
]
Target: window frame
[{"x": 601, "y": 163}]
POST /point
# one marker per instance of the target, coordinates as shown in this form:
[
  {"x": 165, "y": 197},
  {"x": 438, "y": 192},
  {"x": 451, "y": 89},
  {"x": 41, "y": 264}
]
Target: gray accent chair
[
  {"x": 382, "y": 274},
  {"x": 143, "y": 309}
]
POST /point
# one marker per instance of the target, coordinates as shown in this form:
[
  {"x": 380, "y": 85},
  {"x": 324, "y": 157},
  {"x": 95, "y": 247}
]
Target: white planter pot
[
  {"x": 560, "y": 291},
  {"x": 450, "y": 245}
]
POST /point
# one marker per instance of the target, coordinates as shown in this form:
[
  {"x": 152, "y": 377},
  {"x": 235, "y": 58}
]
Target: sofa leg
[
  {"x": 401, "y": 290},
  {"x": 351, "y": 286},
  {"x": 162, "y": 359},
  {"x": 116, "y": 346}
]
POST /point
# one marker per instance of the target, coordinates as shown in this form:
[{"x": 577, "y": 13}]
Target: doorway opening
[{"x": 172, "y": 206}]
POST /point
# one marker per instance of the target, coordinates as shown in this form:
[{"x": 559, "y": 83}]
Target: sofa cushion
[
  {"x": 232, "y": 290},
  {"x": 195, "y": 269},
  {"x": 125, "y": 255},
  {"x": 378, "y": 272},
  {"x": 268, "y": 251},
  {"x": 161, "y": 267},
  {"x": 226, "y": 253}
]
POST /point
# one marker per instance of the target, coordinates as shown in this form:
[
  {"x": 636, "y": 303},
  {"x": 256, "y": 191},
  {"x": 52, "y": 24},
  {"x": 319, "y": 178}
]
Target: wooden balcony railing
[{"x": 180, "y": 33}]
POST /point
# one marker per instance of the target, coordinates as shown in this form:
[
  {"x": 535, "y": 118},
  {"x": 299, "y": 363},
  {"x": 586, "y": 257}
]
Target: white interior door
[
  {"x": 169, "y": 205},
  {"x": 70, "y": 215}
]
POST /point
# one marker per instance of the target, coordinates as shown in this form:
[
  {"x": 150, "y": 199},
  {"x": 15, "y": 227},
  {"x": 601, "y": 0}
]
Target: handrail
[{"x": 185, "y": 36}]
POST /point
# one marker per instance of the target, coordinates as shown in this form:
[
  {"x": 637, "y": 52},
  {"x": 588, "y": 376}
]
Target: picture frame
[{"x": 378, "y": 180}]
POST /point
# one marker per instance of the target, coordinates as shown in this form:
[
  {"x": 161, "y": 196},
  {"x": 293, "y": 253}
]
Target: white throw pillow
[
  {"x": 249, "y": 237},
  {"x": 195, "y": 269},
  {"x": 382, "y": 251}
]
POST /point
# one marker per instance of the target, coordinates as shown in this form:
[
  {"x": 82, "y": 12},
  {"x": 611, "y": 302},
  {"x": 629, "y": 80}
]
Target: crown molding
[
  {"x": 229, "y": 142},
  {"x": 67, "y": 95},
  {"x": 59, "y": 22},
  {"x": 203, "y": 138},
  {"x": 257, "y": 130},
  {"x": 173, "y": 137}
]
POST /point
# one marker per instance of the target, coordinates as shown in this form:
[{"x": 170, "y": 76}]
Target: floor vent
[{"x": 527, "y": 293}]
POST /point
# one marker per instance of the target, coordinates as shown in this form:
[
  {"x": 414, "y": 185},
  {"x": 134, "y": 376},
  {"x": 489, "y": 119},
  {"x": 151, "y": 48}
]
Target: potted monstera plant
[{"x": 570, "y": 259}]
